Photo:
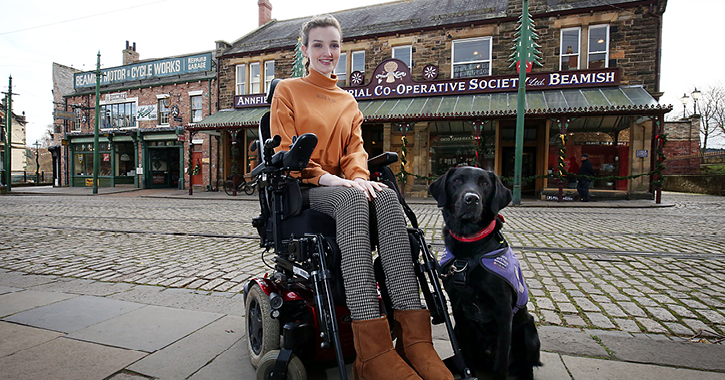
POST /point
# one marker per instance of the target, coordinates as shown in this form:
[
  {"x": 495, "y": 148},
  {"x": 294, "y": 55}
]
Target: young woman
[{"x": 338, "y": 169}]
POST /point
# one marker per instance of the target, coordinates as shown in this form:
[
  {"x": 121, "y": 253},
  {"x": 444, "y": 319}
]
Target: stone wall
[{"x": 703, "y": 184}]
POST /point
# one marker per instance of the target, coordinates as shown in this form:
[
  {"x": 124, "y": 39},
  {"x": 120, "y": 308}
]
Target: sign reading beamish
[
  {"x": 146, "y": 70},
  {"x": 392, "y": 79}
]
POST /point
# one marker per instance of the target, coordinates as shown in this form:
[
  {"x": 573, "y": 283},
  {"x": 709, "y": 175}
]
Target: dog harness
[{"x": 501, "y": 262}]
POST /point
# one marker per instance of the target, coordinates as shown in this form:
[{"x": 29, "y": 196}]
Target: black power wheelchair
[{"x": 297, "y": 313}]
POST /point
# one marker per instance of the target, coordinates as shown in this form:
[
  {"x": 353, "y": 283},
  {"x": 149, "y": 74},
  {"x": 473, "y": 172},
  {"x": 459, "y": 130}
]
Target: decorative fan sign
[
  {"x": 430, "y": 72},
  {"x": 356, "y": 78}
]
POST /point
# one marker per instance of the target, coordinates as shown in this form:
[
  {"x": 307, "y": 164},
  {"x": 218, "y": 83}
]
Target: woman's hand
[{"x": 367, "y": 187}]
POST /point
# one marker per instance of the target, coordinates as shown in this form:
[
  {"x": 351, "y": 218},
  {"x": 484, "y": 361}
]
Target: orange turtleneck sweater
[{"x": 314, "y": 104}]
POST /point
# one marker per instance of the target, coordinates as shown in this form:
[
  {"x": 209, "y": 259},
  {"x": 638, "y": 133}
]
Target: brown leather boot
[
  {"x": 376, "y": 359},
  {"x": 415, "y": 344}
]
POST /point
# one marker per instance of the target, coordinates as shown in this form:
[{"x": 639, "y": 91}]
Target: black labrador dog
[{"x": 482, "y": 277}]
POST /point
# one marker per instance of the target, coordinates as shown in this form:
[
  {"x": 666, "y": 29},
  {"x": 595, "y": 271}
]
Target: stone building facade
[{"x": 467, "y": 43}]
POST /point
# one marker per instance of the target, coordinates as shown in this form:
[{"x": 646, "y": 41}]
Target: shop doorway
[
  {"x": 528, "y": 167},
  {"x": 165, "y": 168}
]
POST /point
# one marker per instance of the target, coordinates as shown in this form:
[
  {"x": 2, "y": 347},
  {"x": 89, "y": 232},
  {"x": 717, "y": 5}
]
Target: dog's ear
[
  {"x": 501, "y": 195},
  {"x": 438, "y": 189}
]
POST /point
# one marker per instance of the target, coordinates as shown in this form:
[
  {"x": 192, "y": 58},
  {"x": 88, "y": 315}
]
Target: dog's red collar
[{"x": 480, "y": 234}]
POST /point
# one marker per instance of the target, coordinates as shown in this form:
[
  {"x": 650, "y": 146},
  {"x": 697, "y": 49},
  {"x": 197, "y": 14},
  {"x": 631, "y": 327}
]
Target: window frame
[
  {"x": 200, "y": 110},
  {"x": 410, "y": 51},
  {"x": 266, "y": 76},
  {"x": 562, "y": 52},
  {"x": 606, "y": 44},
  {"x": 240, "y": 85},
  {"x": 77, "y": 119},
  {"x": 163, "y": 111},
  {"x": 252, "y": 82},
  {"x": 353, "y": 60},
  {"x": 490, "y": 54},
  {"x": 341, "y": 76}
]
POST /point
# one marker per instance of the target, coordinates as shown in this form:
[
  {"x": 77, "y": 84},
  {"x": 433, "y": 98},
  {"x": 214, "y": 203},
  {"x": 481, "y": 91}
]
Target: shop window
[
  {"x": 254, "y": 79},
  {"x": 608, "y": 150},
  {"x": 119, "y": 115},
  {"x": 241, "y": 79},
  {"x": 196, "y": 109},
  {"x": 456, "y": 143},
  {"x": 341, "y": 70},
  {"x": 83, "y": 159},
  {"x": 268, "y": 74},
  {"x": 569, "y": 49},
  {"x": 125, "y": 165},
  {"x": 164, "y": 111},
  {"x": 598, "y": 56},
  {"x": 358, "y": 61},
  {"x": 404, "y": 53},
  {"x": 472, "y": 57}
]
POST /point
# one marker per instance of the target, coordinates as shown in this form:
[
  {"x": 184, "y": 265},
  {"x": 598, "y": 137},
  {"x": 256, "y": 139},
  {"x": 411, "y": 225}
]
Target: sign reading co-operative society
[{"x": 146, "y": 70}]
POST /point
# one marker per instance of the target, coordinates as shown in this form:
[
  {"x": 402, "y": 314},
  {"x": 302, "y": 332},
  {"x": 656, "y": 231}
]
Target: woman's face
[{"x": 323, "y": 49}]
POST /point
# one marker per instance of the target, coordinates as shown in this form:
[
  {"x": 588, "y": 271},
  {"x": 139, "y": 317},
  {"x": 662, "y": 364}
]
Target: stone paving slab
[
  {"x": 8, "y": 289},
  {"x": 66, "y": 359},
  {"x": 232, "y": 364},
  {"x": 15, "y": 302},
  {"x": 570, "y": 341},
  {"x": 17, "y": 338},
  {"x": 599, "y": 369},
  {"x": 667, "y": 352},
  {"x": 185, "y": 357},
  {"x": 73, "y": 314},
  {"x": 149, "y": 328}
]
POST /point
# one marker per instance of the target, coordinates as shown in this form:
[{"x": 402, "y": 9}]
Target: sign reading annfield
[
  {"x": 146, "y": 70},
  {"x": 392, "y": 79}
]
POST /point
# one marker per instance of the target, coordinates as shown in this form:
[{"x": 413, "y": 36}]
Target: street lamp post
[
  {"x": 37, "y": 163},
  {"x": 684, "y": 100},
  {"x": 695, "y": 97}
]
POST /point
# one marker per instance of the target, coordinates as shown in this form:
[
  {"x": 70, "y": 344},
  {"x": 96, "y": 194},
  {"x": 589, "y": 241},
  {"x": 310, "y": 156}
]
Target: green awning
[
  {"x": 634, "y": 100},
  {"x": 230, "y": 118},
  {"x": 574, "y": 102}
]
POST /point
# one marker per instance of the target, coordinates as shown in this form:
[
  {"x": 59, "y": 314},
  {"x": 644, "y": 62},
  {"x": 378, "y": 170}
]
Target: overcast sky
[{"x": 36, "y": 33}]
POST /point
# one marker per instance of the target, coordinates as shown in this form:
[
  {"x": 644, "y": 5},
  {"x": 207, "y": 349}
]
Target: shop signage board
[
  {"x": 63, "y": 115},
  {"x": 146, "y": 70},
  {"x": 392, "y": 79}
]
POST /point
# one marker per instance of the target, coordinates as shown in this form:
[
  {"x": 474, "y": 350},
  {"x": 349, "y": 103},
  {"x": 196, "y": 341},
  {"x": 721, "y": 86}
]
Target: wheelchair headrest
[{"x": 270, "y": 90}]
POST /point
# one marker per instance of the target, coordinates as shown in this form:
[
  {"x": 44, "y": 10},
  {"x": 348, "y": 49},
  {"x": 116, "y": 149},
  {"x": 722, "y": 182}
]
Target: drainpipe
[{"x": 658, "y": 56}]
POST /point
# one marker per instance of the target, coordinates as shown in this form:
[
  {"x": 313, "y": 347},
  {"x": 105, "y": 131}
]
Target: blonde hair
[{"x": 319, "y": 21}]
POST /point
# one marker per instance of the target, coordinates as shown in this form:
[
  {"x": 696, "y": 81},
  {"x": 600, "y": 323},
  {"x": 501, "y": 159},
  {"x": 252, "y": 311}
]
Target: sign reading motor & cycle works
[{"x": 392, "y": 79}]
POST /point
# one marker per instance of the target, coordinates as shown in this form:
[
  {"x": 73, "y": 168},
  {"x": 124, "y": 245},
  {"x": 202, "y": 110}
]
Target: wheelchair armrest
[
  {"x": 299, "y": 154},
  {"x": 381, "y": 160}
]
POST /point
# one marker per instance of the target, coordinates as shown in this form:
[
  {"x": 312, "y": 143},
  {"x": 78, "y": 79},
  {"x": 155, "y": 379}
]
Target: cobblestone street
[{"x": 639, "y": 270}]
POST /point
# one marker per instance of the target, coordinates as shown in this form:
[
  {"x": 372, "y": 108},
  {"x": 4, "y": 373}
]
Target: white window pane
[
  {"x": 403, "y": 53},
  {"x": 241, "y": 79},
  {"x": 268, "y": 73},
  {"x": 358, "y": 61},
  {"x": 254, "y": 78},
  {"x": 471, "y": 51},
  {"x": 341, "y": 69},
  {"x": 570, "y": 41}
]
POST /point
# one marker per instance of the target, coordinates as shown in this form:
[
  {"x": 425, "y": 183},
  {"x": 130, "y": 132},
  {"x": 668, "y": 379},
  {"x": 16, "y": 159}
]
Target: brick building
[
  {"x": 435, "y": 80},
  {"x": 683, "y": 146},
  {"x": 18, "y": 158},
  {"x": 144, "y": 107}
]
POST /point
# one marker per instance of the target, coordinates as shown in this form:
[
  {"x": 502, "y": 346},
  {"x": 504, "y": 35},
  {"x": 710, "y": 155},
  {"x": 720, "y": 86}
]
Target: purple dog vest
[{"x": 504, "y": 264}]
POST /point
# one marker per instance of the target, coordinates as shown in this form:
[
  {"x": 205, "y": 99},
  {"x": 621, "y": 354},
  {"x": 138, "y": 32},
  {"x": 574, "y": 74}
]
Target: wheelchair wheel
[
  {"x": 248, "y": 189},
  {"x": 295, "y": 368},
  {"x": 262, "y": 330},
  {"x": 229, "y": 187}
]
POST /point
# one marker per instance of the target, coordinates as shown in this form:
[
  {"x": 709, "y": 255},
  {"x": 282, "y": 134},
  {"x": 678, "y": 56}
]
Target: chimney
[
  {"x": 129, "y": 54},
  {"x": 265, "y": 11}
]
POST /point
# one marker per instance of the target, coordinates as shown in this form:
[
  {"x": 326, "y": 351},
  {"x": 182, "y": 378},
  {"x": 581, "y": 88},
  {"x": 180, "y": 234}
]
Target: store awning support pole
[
  {"x": 96, "y": 147},
  {"x": 521, "y": 106}
]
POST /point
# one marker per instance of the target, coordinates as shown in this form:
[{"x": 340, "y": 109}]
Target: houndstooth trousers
[{"x": 351, "y": 211}]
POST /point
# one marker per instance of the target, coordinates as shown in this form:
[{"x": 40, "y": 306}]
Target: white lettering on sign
[{"x": 556, "y": 79}]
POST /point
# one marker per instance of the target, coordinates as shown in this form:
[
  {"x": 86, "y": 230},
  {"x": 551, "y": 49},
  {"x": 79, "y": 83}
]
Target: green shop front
[{"x": 158, "y": 166}]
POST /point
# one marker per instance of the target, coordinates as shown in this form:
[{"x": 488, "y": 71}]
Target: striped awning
[{"x": 630, "y": 100}]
